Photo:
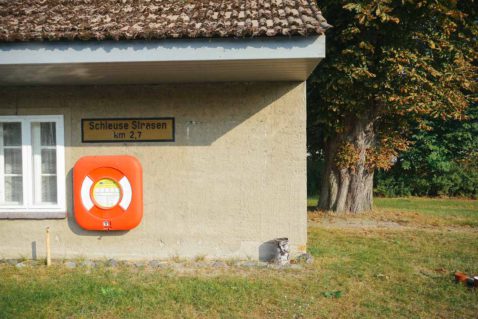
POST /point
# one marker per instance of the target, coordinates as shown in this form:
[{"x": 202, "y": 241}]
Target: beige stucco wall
[{"x": 234, "y": 179}]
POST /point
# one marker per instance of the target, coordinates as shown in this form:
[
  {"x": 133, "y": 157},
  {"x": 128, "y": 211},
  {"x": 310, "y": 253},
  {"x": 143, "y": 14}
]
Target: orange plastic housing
[{"x": 108, "y": 192}]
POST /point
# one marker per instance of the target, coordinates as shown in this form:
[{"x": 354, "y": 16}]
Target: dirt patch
[
  {"x": 339, "y": 223},
  {"x": 352, "y": 223},
  {"x": 392, "y": 220}
]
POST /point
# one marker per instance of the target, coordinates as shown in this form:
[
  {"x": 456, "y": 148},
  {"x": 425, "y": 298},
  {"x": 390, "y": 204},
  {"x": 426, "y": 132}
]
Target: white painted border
[
  {"x": 28, "y": 210},
  {"x": 215, "y": 49}
]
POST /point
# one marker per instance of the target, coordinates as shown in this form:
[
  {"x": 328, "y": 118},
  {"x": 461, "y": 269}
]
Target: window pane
[
  {"x": 48, "y": 187},
  {"x": 13, "y": 189},
  {"x": 48, "y": 161},
  {"x": 12, "y": 134},
  {"x": 13, "y": 160},
  {"x": 48, "y": 134}
]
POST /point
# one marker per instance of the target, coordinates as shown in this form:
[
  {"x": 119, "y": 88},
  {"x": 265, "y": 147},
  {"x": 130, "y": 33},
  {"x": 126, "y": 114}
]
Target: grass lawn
[
  {"x": 435, "y": 212},
  {"x": 397, "y": 262}
]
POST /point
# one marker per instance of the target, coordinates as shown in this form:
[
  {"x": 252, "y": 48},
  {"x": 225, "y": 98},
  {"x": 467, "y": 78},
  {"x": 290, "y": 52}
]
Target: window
[{"x": 32, "y": 168}]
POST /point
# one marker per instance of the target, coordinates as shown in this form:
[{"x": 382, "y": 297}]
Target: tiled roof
[{"x": 37, "y": 20}]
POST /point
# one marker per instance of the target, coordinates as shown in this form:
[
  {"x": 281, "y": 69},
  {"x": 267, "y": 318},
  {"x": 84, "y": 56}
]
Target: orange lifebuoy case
[{"x": 108, "y": 192}]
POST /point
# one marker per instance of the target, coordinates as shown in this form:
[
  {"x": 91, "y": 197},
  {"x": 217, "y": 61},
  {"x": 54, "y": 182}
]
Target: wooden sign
[{"x": 113, "y": 130}]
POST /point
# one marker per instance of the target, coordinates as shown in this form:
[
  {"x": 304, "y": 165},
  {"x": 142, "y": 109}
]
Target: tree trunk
[{"x": 349, "y": 188}]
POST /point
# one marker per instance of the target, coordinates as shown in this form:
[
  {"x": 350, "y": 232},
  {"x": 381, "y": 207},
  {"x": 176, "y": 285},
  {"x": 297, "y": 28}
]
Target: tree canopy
[
  {"x": 442, "y": 161},
  {"x": 391, "y": 66}
]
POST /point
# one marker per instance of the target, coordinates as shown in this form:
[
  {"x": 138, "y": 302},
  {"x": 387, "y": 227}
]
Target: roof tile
[{"x": 55, "y": 20}]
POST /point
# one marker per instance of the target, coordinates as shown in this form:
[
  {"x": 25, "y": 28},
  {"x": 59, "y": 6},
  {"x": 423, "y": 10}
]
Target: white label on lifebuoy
[
  {"x": 106, "y": 193},
  {"x": 127, "y": 193},
  {"x": 85, "y": 193}
]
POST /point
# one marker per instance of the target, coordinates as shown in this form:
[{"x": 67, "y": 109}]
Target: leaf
[{"x": 352, "y": 7}]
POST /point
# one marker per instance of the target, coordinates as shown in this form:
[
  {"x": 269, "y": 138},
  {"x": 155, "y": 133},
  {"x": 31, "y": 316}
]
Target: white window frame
[{"x": 28, "y": 209}]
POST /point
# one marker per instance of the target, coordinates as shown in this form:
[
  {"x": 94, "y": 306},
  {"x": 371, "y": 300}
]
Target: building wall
[{"x": 234, "y": 179}]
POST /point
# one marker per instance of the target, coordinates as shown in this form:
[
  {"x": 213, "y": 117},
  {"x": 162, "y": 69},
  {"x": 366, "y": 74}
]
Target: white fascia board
[{"x": 216, "y": 49}]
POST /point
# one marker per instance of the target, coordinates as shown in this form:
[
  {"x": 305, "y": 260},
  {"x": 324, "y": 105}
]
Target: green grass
[
  {"x": 431, "y": 206},
  {"x": 357, "y": 273},
  {"x": 398, "y": 274},
  {"x": 312, "y": 201},
  {"x": 434, "y": 211}
]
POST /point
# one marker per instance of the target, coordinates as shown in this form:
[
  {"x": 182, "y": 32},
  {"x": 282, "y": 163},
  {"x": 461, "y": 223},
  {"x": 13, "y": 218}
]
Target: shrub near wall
[{"x": 314, "y": 167}]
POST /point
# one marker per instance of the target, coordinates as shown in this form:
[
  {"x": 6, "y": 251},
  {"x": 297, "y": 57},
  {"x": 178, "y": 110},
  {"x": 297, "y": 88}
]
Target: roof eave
[{"x": 160, "y": 61}]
